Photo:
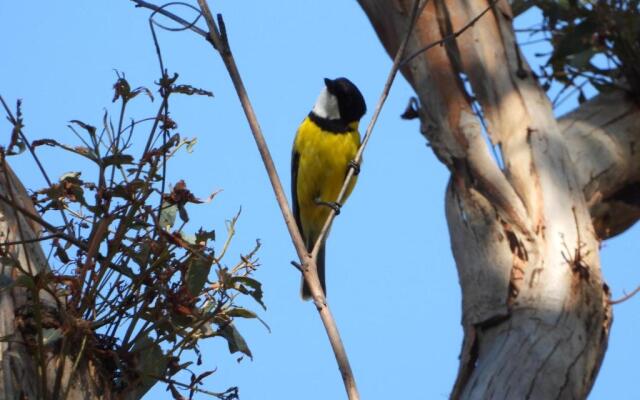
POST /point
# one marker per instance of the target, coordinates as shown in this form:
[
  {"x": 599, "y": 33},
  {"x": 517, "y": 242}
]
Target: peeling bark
[{"x": 526, "y": 236}]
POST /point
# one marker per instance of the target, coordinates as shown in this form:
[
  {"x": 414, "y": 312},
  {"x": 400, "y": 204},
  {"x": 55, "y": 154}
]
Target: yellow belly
[{"x": 322, "y": 167}]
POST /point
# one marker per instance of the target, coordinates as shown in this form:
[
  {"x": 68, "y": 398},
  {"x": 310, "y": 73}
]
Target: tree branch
[
  {"x": 625, "y": 297},
  {"x": 448, "y": 37},
  {"x": 161, "y": 10}
]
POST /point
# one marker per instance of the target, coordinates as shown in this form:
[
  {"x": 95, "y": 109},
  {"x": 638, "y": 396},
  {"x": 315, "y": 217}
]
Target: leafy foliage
[
  {"x": 594, "y": 42},
  {"x": 134, "y": 286}
]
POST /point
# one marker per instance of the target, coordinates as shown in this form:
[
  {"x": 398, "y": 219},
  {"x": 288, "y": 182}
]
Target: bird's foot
[
  {"x": 331, "y": 204},
  {"x": 355, "y": 166}
]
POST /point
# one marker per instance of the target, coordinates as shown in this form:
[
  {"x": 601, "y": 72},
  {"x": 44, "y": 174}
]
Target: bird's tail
[{"x": 306, "y": 292}]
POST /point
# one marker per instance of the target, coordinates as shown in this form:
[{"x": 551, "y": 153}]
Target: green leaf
[
  {"x": 240, "y": 283},
  {"x": 197, "y": 274},
  {"x": 241, "y": 313},
  {"x": 168, "y": 215},
  {"x": 235, "y": 341},
  {"x": 190, "y": 90},
  {"x": 91, "y": 130},
  {"x": 117, "y": 159},
  {"x": 184, "y": 216},
  {"x": 152, "y": 363},
  {"x": 190, "y": 144},
  {"x": 62, "y": 254},
  {"x": 81, "y": 150}
]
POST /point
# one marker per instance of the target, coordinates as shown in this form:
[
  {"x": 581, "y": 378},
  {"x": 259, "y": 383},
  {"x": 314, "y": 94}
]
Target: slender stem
[
  {"x": 449, "y": 37},
  {"x": 26, "y": 142},
  {"x": 58, "y": 233},
  {"x": 625, "y": 297},
  {"x": 170, "y": 15},
  {"x": 33, "y": 240},
  {"x": 397, "y": 62}
]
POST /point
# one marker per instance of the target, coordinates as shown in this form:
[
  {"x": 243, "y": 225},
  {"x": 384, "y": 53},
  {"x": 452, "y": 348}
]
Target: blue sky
[{"x": 392, "y": 282}]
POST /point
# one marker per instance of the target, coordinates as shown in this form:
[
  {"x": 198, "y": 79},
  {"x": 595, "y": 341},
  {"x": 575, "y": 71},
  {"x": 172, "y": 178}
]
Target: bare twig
[
  {"x": 397, "y": 62},
  {"x": 58, "y": 232},
  {"x": 625, "y": 297},
  {"x": 33, "y": 240},
  {"x": 26, "y": 142},
  {"x": 191, "y": 387},
  {"x": 449, "y": 37},
  {"x": 170, "y": 15}
]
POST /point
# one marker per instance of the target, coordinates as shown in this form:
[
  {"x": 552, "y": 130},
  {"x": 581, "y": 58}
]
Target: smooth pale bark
[
  {"x": 536, "y": 316},
  {"x": 603, "y": 137},
  {"x": 20, "y": 377}
]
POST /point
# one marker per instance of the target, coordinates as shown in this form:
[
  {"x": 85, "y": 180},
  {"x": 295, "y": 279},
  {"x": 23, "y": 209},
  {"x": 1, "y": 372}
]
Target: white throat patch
[{"x": 327, "y": 106}]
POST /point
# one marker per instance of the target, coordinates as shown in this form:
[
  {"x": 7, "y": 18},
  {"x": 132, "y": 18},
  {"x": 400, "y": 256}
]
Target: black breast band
[{"x": 331, "y": 125}]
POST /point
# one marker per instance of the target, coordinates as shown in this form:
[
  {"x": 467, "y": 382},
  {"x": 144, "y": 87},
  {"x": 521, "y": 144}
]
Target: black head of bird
[{"x": 340, "y": 100}]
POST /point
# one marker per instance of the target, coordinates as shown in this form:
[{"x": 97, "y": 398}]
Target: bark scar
[{"x": 576, "y": 261}]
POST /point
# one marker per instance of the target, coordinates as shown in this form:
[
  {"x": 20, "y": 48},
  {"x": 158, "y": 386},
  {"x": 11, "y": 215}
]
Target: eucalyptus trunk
[{"x": 526, "y": 233}]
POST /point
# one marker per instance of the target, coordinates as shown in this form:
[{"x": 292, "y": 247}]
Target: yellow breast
[{"x": 322, "y": 167}]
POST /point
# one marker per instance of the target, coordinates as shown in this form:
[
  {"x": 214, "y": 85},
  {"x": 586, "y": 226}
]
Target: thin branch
[
  {"x": 160, "y": 10},
  {"x": 59, "y": 233},
  {"x": 397, "y": 62},
  {"x": 625, "y": 297},
  {"x": 449, "y": 37},
  {"x": 190, "y": 387},
  {"x": 33, "y": 240},
  {"x": 26, "y": 142},
  {"x": 36, "y": 218}
]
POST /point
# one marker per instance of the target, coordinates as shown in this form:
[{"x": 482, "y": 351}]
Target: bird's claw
[
  {"x": 331, "y": 204},
  {"x": 355, "y": 166}
]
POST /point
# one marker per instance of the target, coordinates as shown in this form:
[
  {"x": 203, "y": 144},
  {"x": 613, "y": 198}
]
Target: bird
[{"x": 324, "y": 149}]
